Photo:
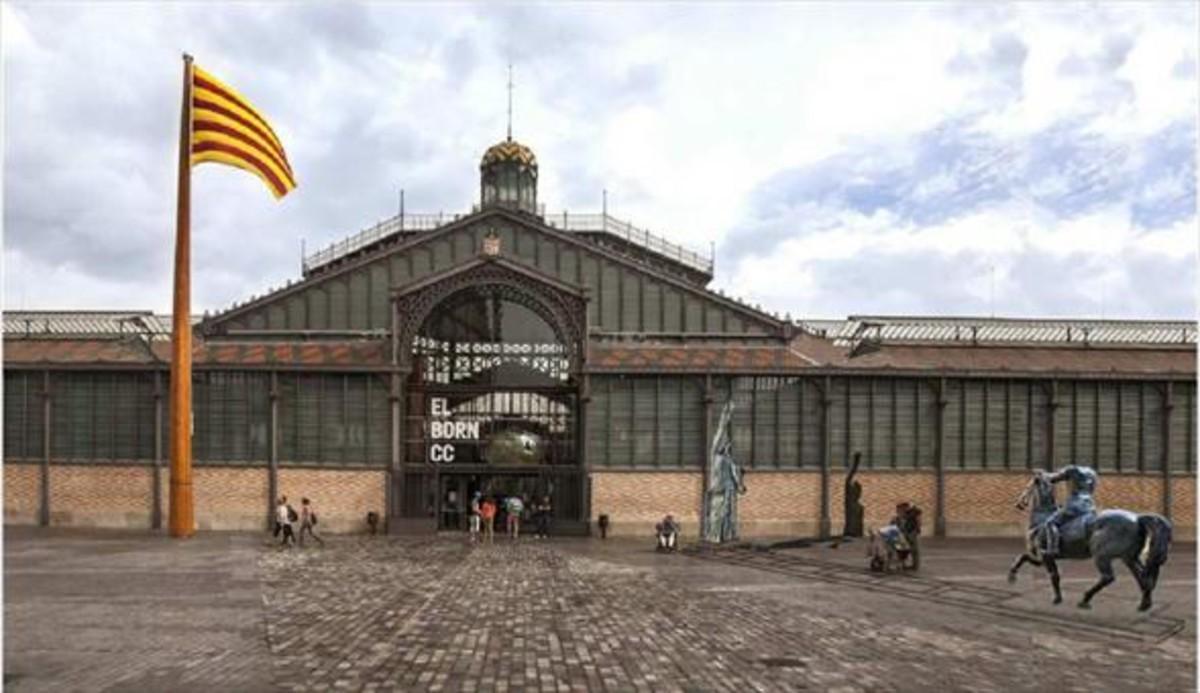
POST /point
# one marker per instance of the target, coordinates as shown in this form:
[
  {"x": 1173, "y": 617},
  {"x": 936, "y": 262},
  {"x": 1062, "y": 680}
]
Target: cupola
[{"x": 508, "y": 177}]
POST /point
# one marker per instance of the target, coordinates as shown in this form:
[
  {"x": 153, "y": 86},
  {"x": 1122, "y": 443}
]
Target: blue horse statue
[{"x": 1141, "y": 541}]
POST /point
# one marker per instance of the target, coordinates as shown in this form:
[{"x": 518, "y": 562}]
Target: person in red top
[{"x": 487, "y": 511}]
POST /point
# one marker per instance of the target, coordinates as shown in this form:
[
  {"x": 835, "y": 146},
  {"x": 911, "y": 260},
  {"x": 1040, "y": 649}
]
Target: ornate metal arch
[{"x": 564, "y": 312}]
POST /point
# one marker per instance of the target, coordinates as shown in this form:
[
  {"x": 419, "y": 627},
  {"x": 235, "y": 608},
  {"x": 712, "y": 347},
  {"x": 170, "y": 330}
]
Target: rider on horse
[{"x": 1080, "y": 504}]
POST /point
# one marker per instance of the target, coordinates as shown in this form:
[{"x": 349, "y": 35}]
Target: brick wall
[
  {"x": 780, "y": 504},
  {"x": 982, "y": 504},
  {"x": 776, "y": 503},
  {"x": 1183, "y": 507},
  {"x": 341, "y": 497},
  {"x": 881, "y": 491},
  {"x": 22, "y": 493},
  {"x": 95, "y": 496},
  {"x": 1140, "y": 494},
  {"x": 789, "y": 503},
  {"x": 634, "y": 501},
  {"x": 226, "y": 498}
]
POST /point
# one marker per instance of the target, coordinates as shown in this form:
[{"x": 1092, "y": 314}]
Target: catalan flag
[
  {"x": 228, "y": 130},
  {"x": 216, "y": 124}
]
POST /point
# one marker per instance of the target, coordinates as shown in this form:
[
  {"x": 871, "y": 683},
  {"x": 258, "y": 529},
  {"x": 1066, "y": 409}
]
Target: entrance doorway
[
  {"x": 457, "y": 488},
  {"x": 491, "y": 408}
]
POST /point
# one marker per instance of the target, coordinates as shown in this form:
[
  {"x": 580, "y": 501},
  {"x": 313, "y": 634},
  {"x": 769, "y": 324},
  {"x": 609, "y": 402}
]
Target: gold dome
[{"x": 509, "y": 150}]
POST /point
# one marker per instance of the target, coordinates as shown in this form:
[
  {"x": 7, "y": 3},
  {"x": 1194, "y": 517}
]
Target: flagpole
[{"x": 182, "y": 522}]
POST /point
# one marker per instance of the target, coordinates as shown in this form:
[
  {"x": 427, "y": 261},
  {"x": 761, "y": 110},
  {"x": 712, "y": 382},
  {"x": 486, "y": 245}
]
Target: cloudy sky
[{"x": 1025, "y": 160}]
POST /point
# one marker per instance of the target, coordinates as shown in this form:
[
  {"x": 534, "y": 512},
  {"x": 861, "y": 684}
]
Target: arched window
[{"x": 490, "y": 335}]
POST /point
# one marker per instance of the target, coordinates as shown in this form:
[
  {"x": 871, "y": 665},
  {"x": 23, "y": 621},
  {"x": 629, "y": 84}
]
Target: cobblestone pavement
[
  {"x": 125, "y": 611},
  {"x": 230, "y": 613},
  {"x": 581, "y": 616}
]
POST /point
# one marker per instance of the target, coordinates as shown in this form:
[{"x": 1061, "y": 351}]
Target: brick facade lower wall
[
  {"x": 789, "y": 503},
  {"x": 981, "y": 504},
  {"x": 22, "y": 493},
  {"x": 881, "y": 491},
  {"x": 226, "y": 498},
  {"x": 634, "y": 501},
  {"x": 776, "y": 503},
  {"x": 780, "y": 504},
  {"x": 94, "y": 496},
  {"x": 341, "y": 498},
  {"x": 1183, "y": 507}
]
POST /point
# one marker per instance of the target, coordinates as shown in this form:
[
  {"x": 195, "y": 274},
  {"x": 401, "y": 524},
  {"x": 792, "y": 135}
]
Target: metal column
[
  {"x": 44, "y": 496},
  {"x": 825, "y": 523},
  {"x": 156, "y": 511},
  {"x": 273, "y": 450},
  {"x": 939, "y": 522},
  {"x": 1168, "y": 407}
]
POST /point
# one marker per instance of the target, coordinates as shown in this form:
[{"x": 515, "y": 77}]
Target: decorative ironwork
[{"x": 566, "y": 314}]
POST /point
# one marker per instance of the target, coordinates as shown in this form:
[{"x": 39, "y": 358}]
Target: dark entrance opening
[{"x": 492, "y": 408}]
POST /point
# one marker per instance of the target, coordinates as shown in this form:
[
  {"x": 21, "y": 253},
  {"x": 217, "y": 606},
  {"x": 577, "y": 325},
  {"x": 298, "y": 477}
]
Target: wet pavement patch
[{"x": 782, "y": 662}]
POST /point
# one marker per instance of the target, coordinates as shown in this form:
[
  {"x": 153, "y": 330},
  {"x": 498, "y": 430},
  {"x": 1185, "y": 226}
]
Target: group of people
[
  {"x": 286, "y": 519},
  {"x": 484, "y": 510}
]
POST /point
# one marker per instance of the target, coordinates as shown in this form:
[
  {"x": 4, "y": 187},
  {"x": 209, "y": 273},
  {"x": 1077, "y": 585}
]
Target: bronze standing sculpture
[
  {"x": 724, "y": 484},
  {"x": 853, "y": 513}
]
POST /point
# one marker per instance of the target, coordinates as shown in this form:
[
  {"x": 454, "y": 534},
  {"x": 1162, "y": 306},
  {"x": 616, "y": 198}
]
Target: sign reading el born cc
[{"x": 443, "y": 429}]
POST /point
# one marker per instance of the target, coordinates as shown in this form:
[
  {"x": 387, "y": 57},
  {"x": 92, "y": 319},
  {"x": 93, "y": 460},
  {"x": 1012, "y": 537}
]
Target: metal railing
[
  {"x": 385, "y": 228},
  {"x": 603, "y": 223},
  {"x": 564, "y": 221}
]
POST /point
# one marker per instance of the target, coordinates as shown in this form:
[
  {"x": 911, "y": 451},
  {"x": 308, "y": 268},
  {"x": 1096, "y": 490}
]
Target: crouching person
[{"x": 667, "y": 532}]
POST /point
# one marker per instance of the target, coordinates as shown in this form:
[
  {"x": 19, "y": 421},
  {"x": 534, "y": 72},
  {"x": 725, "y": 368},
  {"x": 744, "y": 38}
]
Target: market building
[{"x": 515, "y": 351}]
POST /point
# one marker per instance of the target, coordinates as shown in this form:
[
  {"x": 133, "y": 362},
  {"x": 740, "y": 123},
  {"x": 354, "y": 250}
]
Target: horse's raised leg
[
  {"x": 1055, "y": 579},
  {"x": 1104, "y": 565},
  {"x": 1012, "y": 571}
]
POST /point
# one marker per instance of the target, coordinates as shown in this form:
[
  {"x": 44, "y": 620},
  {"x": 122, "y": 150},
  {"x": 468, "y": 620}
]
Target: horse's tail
[{"x": 1157, "y": 532}]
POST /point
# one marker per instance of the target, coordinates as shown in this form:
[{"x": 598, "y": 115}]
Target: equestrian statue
[{"x": 1077, "y": 531}]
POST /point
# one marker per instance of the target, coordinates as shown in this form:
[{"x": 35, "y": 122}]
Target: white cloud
[{"x": 684, "y": 113}]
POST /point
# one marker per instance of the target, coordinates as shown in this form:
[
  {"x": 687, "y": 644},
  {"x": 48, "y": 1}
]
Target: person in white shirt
[{"x": 283, "y": 520}]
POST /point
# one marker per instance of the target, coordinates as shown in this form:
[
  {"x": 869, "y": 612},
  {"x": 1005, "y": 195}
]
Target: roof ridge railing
[
  {"x": 997, "y": 331},
  {"x": 564, "y": 221}
]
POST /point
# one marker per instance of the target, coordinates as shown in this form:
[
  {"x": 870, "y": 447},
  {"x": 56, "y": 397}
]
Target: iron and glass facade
[{"x": 511, "y": 350}]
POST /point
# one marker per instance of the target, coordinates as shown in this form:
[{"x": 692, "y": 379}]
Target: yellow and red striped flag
[{"x": 226, "y": 129}]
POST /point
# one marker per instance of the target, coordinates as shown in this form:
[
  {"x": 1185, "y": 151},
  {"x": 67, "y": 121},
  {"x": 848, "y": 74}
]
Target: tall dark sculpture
[{"x": 854, "y": 507}]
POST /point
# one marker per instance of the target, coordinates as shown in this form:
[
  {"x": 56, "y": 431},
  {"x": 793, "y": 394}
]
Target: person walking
[
  {"x": 475, "y": 519},
  {"x": 514, "y": 506},
  {"x": 308, "y": 520},
  {"x": 285, "y": 515},
  {"x": 542, "y": 515},
  {"x": 487, "y": 515}
]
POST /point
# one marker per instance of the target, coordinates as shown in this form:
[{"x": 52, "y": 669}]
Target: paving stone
[{"x": 225, "y": 612}]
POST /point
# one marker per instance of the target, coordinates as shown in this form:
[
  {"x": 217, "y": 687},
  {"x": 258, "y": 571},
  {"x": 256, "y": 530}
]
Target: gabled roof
[{"x": 405, "y": 243}]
